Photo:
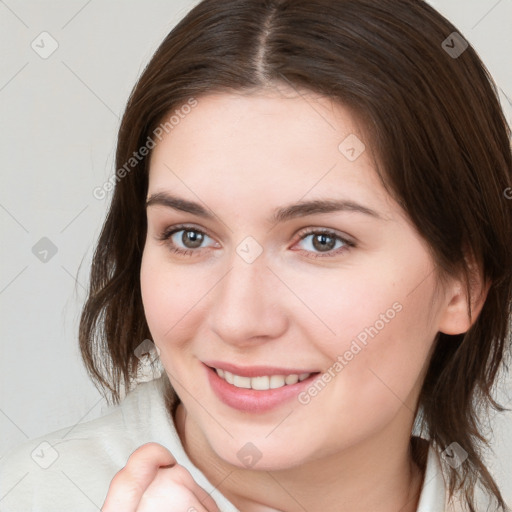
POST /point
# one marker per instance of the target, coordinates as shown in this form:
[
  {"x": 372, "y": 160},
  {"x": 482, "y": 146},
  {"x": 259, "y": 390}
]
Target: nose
[{"x": 246, "y": 308}]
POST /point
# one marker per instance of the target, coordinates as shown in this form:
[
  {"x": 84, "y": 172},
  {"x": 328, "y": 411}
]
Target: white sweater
[{"x": 70, "y": 470}]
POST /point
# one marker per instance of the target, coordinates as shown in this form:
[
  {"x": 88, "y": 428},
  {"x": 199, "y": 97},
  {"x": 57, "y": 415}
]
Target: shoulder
[{"x": 71, "y": 469}]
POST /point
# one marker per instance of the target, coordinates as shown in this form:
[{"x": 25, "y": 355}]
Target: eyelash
[{"x": 166, "y": 235}]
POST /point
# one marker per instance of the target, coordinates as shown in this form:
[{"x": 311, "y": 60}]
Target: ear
[{"x": 457, "y": 317}]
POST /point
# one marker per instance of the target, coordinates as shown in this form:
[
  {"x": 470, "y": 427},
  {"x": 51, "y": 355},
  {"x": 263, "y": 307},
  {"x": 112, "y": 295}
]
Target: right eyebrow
[{"x": 177, "y": 203}]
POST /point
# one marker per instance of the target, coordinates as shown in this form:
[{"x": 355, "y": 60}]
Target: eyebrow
[{"x": 300, "y": 209}]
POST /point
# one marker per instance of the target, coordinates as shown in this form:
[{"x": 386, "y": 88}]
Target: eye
[
  {"x": 326, "y": 243},
  {"x": 184, "y": 240},
  {"x": 188, "y": 240}
]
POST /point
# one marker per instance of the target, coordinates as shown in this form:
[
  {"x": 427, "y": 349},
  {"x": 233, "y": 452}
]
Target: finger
[
  {"x": 181, "y": 476},
  {"x": 164, "y": 494},
  {"x": 128, "y": 485}
]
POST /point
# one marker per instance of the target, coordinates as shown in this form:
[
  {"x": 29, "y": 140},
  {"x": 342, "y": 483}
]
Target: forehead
[
  {"x": 272, "y": 118},
  {"x": 271, "y": 146}
]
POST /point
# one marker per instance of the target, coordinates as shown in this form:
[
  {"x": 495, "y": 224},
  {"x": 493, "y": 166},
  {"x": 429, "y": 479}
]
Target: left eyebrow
[
  {"x": 295, "y": 210},
  {"x": 305, "y": 208}
]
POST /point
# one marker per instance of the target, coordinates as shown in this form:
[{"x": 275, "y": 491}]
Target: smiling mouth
[
  {"x": 261, "y": 383},
  {"x": 257, "y": 389}
]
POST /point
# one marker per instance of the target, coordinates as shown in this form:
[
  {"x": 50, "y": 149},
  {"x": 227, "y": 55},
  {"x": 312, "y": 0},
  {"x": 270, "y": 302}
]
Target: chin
[{"x": 262, "y": 455}]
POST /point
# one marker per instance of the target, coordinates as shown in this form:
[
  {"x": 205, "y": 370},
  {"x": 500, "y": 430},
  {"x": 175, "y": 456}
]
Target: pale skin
[{"x": 242, "y": 157}]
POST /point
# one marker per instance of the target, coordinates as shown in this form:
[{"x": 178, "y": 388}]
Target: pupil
[
  {"x": 192, "y": 238},
  {"x": 320, "y": 242}
]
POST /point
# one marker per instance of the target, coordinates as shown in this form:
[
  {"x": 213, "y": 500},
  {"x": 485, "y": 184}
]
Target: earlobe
[{"x": 457, "y": 317}]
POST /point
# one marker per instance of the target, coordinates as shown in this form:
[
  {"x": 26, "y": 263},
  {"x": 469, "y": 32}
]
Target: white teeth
[
  {"x": 261, "y": 383},
  {"x": 277, "y": 381},
  {"x": 242, "y": 382},
  {"x": 292, "y": 379}
]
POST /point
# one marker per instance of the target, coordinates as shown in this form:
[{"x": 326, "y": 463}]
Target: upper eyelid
[
  {"x": 312, "y": 230},
  {"x": 177, "y": 228},
  {"x": 301, "y": 234}
]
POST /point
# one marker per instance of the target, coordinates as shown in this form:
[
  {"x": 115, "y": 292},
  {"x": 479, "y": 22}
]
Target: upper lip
[{"x": 256, "y": 371}]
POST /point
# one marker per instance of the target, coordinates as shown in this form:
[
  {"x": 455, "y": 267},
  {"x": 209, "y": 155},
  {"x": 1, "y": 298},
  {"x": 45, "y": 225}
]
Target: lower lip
[{"x": 251, "y": 400}]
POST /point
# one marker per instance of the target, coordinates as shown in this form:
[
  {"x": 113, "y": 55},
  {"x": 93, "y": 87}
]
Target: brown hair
[{"x": 443, "y": 147}]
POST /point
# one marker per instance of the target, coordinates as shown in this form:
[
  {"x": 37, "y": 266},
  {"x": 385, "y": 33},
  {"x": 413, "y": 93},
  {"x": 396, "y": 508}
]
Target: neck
[{"x": 378, "y": 474}]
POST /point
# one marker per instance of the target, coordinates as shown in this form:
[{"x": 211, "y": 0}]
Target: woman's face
[{"x": 274, "y": 283}]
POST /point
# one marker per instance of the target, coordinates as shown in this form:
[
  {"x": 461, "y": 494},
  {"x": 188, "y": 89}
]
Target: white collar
[{"x": 433, "y": 491}]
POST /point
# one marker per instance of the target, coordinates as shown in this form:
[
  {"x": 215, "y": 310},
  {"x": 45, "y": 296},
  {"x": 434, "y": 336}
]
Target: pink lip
[
  {"x": 255, "y": 371},
  {"x": 251, "y": 400}
]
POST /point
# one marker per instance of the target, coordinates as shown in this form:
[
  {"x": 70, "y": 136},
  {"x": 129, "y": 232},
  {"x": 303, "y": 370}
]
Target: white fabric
[{"x": 82, "y": 461}]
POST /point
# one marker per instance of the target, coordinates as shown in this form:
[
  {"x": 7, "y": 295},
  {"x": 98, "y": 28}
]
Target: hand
[{"x": 152, "y": 481}]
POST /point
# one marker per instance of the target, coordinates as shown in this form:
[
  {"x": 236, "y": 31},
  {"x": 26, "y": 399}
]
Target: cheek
[
  {"x": 353, "y": 304},
  {"x": 383, "y": 301},
  {"x": 172, "y": 300},
  {"x": 383, "y": 332}
]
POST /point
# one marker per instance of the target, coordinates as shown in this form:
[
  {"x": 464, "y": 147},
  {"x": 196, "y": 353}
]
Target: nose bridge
[
  {"x": 245, "y": 281},
  {"x": 244, "y": 303}
]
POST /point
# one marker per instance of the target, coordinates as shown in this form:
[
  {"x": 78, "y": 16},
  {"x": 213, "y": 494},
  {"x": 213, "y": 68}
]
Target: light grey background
[{"x": 59, "y": 117}]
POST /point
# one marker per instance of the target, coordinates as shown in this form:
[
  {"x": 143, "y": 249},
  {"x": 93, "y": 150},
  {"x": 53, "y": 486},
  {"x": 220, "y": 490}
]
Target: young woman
[{"x": 312, "y": 223}]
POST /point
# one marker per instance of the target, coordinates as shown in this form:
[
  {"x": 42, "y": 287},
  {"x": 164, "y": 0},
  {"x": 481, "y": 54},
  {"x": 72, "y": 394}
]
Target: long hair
[{"x": 431, "y": 111}]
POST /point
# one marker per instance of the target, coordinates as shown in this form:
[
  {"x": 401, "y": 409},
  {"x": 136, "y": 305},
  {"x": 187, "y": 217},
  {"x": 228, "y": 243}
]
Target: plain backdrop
[{"x": 59, "y": 114}]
